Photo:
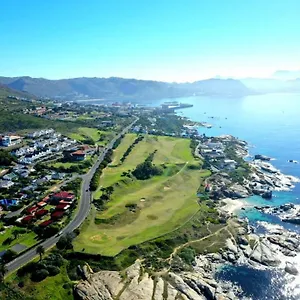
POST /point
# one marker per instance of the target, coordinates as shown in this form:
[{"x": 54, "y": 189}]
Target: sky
[{"x": 167, "y": 40}]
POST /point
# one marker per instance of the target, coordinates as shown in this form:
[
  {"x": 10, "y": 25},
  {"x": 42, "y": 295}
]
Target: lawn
[
  {"x": 98, "y": 137},
  {"x": 124, "y": 145},
  {"x": 27, "y": 239},
  {"x": 49, "y": 288},
  {"x": 68, "y": 165},
  {"x": 161, "y": 204},
  {"x": 170, "y": 150}
]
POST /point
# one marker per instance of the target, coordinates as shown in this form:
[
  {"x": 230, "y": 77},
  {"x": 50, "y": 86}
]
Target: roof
[
  {"x": 41, "y": 212},
  {"x": 46, "y": 199},
  {"x": 78, "y": 153},
  {"x": 84, "y": 147},
  {"x": 32, "y": 209},
  {"x": 57, "y": 214},
  {"x": 62, "y": 206},
  {"x": 63, "y": 195},
  {"x": 64, "y": 202},
  {"x": 27, "y": 218},
  {"x": 42, "y": 203},
  {"x": 46, "y": 223}
]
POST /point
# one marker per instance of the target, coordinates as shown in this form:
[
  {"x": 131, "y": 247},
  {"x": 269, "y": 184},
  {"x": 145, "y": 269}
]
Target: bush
[
  {"x": 64, "y": 242},
  {"x": 187, "y": 255},
  {"x": 8, "y": 256},
  {"x": 39, "y": 275},
  {"x": 27, "y": 269},
  {"x": 67, "y": 286},
  {"x": 54, "y": 260},
  {"x": 53, "y": 270}
]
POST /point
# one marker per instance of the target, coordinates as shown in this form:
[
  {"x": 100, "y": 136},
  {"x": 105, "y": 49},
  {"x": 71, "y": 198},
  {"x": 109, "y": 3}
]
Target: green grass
[
  {"x": 67, "y": 165},
  {"x": 94, "y": 134},
  {"x": 49, "y": 288},
  {"x": 27, "y": 239},
  {"x": 170, "y": 150},
  {"x": 125, "y": 143},
  {"x": 163, "y": 203}
]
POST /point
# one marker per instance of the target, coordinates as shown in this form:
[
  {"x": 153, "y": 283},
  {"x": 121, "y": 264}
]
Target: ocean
[{"x": 271, "y": 125}]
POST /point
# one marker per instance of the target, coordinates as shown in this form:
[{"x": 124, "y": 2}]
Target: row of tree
[
  {"x": 129, "y": 149},
  {"x": 96, "y": 177}
]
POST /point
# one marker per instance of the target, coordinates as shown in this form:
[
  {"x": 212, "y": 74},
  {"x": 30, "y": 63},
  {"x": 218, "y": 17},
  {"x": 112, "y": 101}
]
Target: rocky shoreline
[
  {"x": 234, "y": 177},
  {"x": 278, "y": 248},
  {"x": 288, "y": 212}
]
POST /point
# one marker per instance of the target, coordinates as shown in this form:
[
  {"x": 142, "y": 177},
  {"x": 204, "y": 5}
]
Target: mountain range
[
  {"x": 119, "y": 88},
  {"x": 115, "y": 88}
]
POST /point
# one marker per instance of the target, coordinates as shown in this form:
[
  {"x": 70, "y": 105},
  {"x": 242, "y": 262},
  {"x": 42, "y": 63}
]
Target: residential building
[{"x": 78, "y": 155}]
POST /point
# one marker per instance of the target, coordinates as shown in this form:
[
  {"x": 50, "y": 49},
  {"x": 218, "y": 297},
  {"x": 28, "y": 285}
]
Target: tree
[
  {"x": 16, "y": 233},
  {"x": 3, "y": 270},
  {"x": 53, "y": 270},
  {"x": 8, "y": 256},
  {"x": 39, "y": 275},
  {"x": 40, "y": 250}
]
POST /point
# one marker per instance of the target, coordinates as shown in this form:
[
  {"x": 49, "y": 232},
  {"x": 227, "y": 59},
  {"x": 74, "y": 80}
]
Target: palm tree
[{"x": 40, "y": 250}]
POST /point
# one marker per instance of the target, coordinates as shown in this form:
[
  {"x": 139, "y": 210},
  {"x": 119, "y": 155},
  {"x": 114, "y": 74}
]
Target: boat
[{"x": 293, "y": 161}]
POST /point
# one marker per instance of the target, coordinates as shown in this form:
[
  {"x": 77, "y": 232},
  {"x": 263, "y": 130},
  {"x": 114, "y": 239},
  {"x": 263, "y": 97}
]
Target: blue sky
[{"x": 170, "y": 40}]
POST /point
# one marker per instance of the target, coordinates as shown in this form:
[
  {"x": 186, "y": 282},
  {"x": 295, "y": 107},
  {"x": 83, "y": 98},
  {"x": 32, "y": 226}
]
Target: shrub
[
  {"x": 39, "y": 275},
  {"x": 8, "y": 256},
  {"x": 53, "y": 270},
  {"x": 27, "y": 269},
  {"x": 187, "y": 255}
]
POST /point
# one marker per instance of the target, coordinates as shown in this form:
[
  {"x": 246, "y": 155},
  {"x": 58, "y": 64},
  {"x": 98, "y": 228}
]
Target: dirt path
[{"x": 169, "y": 259}]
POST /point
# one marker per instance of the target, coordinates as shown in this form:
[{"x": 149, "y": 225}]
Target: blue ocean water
[{"x": 271, "y": 125}]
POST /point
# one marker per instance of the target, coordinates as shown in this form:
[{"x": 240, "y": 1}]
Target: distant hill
[
  {"x": 287, "y": 74},
  {"x": 6, "y": 91},
  {"x": 269, "y": 85},
  {"x": 119, "y": 88},
  {"x": 13, "y": 119}
]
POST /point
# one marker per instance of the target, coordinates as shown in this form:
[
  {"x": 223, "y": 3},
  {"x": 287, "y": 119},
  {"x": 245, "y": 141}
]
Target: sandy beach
[{"x": 232, "y": 205}]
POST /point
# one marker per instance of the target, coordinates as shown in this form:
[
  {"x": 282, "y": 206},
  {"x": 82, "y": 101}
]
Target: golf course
[{"x": 140, "y": 210}]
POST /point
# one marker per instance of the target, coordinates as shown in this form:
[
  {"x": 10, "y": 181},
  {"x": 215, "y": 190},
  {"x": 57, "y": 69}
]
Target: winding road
[{"x": 82, "y": 213}]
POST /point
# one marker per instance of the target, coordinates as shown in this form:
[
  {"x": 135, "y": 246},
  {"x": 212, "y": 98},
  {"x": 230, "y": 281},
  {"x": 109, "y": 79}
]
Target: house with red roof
[
  {"x": 41, "y": 204},
  {"x": 31, "y": 210},
  {"x": 46, "y": 223},
  {"x": 64, "y": 202},
  {"x": 62, "y": 207},
  {"x": 57, "y": 215},
  {"x": 78, "y": 155},
  {"x": 67, "y": 196},
  {"x": 41, "y": 212},
  {"x": 46, "y": 199},
  {"x": 27, "y": 220}
]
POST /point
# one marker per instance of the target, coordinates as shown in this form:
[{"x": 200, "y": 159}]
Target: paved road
[{"x": 82, "y": 213}]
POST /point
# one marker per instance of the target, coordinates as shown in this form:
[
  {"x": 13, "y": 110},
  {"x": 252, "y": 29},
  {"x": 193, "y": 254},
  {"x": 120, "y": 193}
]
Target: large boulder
[
  {"x": 291, "y": 269},
  {"x": 264, "y": 254}
]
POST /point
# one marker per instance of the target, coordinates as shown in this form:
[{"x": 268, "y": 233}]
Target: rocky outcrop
[
  {"x": 236, "y": 191},
  {"x": 287, "y": 212},
  {"x": 262, "y": 157},
  {"x": 291, "y": 269},
  {"x": 137, "y": 285}
]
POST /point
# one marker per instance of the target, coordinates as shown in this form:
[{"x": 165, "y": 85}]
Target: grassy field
[
  {"x": 125, "y": 143},
  {"x": 49, "y": 288},
  {"x": 162, "y": 203},
  {"x": 170, "y": 150},
  {"x": 99, "y": 137},
  {"x": 27, "y": 239}
]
